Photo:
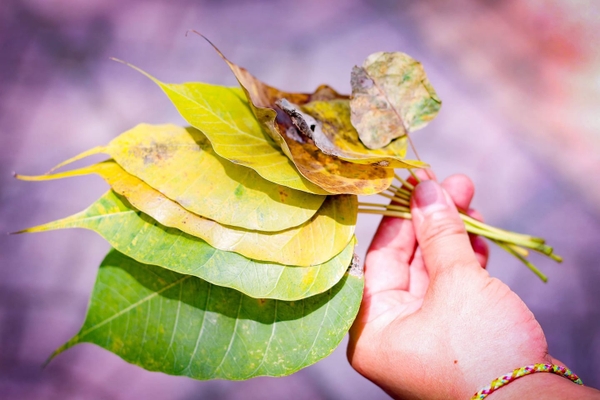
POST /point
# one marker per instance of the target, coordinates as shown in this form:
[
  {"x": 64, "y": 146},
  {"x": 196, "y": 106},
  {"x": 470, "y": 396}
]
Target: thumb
[{"x": 439, "y": 230}]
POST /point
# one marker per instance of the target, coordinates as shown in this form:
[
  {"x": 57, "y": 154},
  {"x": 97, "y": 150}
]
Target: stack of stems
[{"x": 514, "y": 243}]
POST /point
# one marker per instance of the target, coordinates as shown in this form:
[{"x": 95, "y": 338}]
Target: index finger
[{"x": 389, "y": 256}]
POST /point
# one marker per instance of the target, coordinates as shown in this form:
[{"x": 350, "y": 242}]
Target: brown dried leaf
[
  {"x": 333, "y": 133},
  {"x": 331, "y": 173},
  {"x": 391, "y": 96}
]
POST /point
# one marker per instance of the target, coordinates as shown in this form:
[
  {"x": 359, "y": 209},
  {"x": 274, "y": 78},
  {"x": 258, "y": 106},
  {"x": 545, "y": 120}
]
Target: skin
[{"x": 433, "y": 323}]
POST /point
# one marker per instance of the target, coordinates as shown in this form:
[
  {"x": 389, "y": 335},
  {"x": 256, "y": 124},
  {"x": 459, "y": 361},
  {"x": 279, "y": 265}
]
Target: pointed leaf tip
[
  {"x": 136, "y": 234},
  {"x": 223, "y": 115},
  {"x": 330, "y": 229},
  {"x": 208, "y": 40}
]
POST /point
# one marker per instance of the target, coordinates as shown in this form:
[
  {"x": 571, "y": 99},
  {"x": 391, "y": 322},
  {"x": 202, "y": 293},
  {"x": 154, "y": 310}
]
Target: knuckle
[{"x": 441, "y": 228}]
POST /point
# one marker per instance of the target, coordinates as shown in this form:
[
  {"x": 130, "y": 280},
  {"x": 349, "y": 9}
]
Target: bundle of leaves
[{"x": 232, "y": 239}]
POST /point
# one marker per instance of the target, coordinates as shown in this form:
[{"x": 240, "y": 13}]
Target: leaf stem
[
  {"x": 395, "y": 198},
  {"x": 479, "y": 224},
  {"x": 529, "y": 265},
  {"x": 482, "y": 228},
  {"x": 414, "y": 175},
  {"x": 404, "y": 193},
  {"x": 512, "y": 242},
  {"x": 523, "y": 252},
  {"x": 404, "y": 182},
  {"x": 399, "y": 194},
  {"x": 542, "y": 248},
  {"x": 508, "y": 237},
  {"x": 386, "y": 206},
  {"x": 405, "y": 215}
]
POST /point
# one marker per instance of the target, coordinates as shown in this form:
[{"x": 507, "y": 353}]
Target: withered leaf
[
  {"x": 334, "y": 134},
  {"x": 331, "y": 173},
  {"x": 391, "y": 97}
]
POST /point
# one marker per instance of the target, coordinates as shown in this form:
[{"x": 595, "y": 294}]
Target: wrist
[
  {"x": 543, "y": 386},
  {"x": 481, "y": 362},
  {"x": 447, "y": 374},
  {"x": 482, "y": 373}
]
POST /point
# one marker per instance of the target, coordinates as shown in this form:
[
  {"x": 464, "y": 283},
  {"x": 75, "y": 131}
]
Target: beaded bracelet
[{"x": 519, "y": 372}]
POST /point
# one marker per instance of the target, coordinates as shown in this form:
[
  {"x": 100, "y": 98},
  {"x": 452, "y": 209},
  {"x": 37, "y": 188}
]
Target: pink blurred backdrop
[{"x": 520, "y": 82}]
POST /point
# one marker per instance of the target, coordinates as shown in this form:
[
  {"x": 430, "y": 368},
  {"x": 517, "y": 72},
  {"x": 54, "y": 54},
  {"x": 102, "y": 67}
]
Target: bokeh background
[{"x": 520, "y": 82}]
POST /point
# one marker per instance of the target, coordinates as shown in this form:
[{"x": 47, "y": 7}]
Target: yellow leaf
[
  {"x": 224, "y": 116},
  {"x": 181, "y": 164},
  {"x": 316, "y": 241}
]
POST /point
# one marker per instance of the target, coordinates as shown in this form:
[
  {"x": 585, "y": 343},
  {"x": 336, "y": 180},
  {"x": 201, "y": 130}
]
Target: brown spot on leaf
[
  {"x": 283, "y": 195},
  {"x": 152, "y": 154},
  {"x": 356, "y": 267}
]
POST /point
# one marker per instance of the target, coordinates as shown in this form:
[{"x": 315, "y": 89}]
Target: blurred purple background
[{"x": 520, "y": 82}]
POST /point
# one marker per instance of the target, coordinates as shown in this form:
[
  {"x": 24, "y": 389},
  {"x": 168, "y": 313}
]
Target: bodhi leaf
[
  {"x": 330, "y": 173},
  {"x": 262, "y": 98},
  {"x": 182, "y": 325},
  {"x": 391, "y": 96},
  {"x": 319, "y": 239},
  {"x": 140, "y": 237},
  {"x": 336, "y": 175},
  {"x": 223, "y": 115},
  {"x": 334, "y": 134},
  {"x": 180, "y": 163}
]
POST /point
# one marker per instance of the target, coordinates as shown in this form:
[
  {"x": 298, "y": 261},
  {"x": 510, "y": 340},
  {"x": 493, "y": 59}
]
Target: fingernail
[{"x": 429, "y": 197}]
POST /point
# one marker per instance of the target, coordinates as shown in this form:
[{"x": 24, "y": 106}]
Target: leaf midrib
[{"x": 217, "y": 117}]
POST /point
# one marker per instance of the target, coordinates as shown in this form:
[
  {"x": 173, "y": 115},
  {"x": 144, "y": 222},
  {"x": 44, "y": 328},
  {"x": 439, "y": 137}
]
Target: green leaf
[
  {"x": 223, "y": 115},
  {"x": 335, "y": 135},
  {"x": 391, "y": 96},
  {"x": 140, "y": 237},
  {"x": 319, "y": 239},
  {"x": 181, "y": 325},
  {"x": 331, "y": 173},
  {"x": 181, "y": 164}
]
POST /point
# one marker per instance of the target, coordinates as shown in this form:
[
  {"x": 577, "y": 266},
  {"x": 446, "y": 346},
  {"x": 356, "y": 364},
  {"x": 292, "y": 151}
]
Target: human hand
[{"x": 433, "y": 323}]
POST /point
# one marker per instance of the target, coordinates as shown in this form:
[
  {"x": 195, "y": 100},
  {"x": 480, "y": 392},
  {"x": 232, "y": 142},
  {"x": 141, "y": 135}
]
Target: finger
[
  {"x": 419, "y": 277},
  {"x": 388, "y": 257},
  {"x": 481, "y": 249},
  {"x": 423, "y": 175},
  {"x": 461, "y": 190},
  {"x": 390, "y": 253},
  {"x": 479, "y": 244},
  {"x": 439, "y": 230}
]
